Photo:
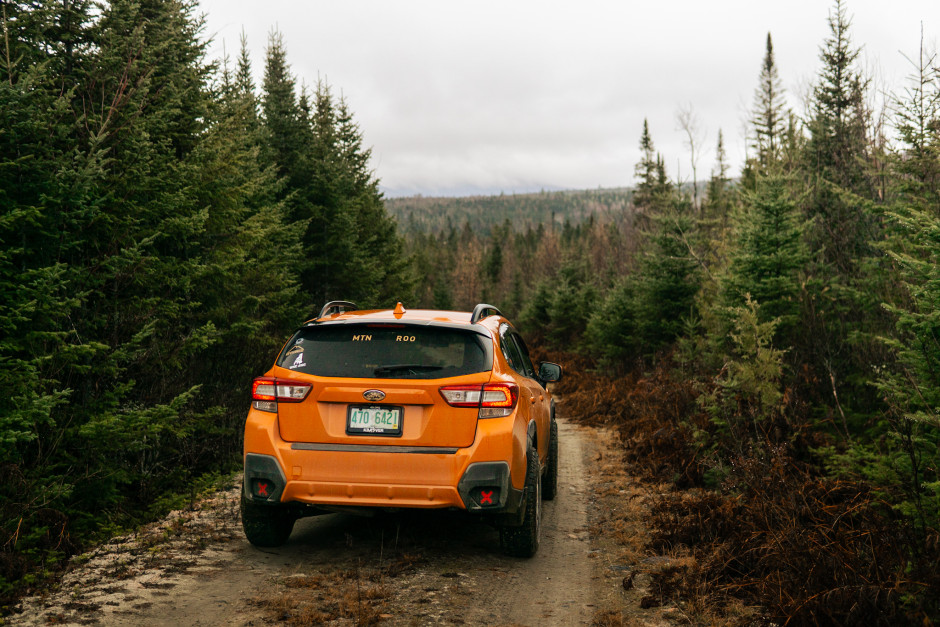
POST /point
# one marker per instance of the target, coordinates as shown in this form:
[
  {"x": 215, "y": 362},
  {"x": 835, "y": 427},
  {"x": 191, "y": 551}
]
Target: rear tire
[
  {"x": 523, "y": 541},
  {"x": 266, "y": 525},
  {"x": 550, "y": 482}
]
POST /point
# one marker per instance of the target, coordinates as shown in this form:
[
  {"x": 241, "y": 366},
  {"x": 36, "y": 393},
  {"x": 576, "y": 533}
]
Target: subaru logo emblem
[{"x": 373, "y": 395}]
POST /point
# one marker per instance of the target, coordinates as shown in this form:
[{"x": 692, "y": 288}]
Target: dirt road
[{"x": 195, "y": 568}]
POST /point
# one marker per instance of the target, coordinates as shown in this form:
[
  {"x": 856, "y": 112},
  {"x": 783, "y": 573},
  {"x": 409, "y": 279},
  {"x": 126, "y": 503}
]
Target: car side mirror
[{"x": 549, "y": 372}]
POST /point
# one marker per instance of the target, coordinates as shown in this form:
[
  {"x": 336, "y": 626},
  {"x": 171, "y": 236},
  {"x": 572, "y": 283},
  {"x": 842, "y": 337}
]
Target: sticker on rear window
[{"x": 386, "y": 352}]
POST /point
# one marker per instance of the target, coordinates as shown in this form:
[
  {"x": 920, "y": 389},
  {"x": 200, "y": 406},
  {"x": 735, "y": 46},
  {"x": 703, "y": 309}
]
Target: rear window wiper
[{"x": 404, "y": 367}]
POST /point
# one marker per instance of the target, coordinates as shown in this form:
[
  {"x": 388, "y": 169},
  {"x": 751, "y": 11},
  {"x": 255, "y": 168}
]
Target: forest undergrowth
[{"x": 776, "y": 534}]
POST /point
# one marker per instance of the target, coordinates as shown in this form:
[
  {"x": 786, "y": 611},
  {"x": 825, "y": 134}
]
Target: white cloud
[{"x": 529, "y": 94}]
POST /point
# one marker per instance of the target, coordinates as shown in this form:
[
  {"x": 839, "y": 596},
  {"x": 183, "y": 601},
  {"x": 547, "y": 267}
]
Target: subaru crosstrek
[{"x": 390, "y": 409}]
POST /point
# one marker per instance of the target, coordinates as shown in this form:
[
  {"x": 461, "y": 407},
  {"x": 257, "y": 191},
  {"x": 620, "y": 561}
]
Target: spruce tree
[
  {"x": 288, "y": 146},
  {"x": 108, "y": 105},
  {"x": 151, "y": 248},
  {"x": 910, "y": 456},
  {"x": 385, "y": 274},
  {"x": 917, "y": 165},
  {"x": 286, "y": 141},
  {"x": 768, "y": 256},
  {"x": 572, "y": 301},
  {"x": 248, "y": 288},
  {"x": 140, "y": 256},
  {"x": 669, "y": 276},
  {"x": 612, "y": 329},
  {"x": 769, "y": 116},
  {"x": 244, "y": 84},
  {"x": 839, "y": 124},
  {"x": 718, "y": 192},
  {"x": 646, "y": 170},
  {"x": 351, "y": 248},
  {"x": 837, "y": 154},
  {"x": 46, "y": 187},
  {"x": 847, "y": 280}
]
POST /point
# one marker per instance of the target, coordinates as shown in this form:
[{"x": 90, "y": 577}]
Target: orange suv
[{"x": 391, "y": 409}]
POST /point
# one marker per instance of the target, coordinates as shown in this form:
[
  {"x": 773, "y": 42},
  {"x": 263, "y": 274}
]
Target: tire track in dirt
[
  {"x": 413, "y": 568},
  {"x": 555, "y": 587}
]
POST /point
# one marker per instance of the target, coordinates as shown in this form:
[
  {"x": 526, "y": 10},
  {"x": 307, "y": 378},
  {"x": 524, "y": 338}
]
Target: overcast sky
[{"x": 462, "y": 97}]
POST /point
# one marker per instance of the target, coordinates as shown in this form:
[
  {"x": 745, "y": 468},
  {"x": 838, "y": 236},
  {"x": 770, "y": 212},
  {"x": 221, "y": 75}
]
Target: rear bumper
[{"x": 478, "y": 478}]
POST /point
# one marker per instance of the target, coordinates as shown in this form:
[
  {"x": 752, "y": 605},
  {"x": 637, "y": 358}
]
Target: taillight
[
  {"x": 462, "y": 395},
  {"x": 500, "y": 395},
  {"x": 267, "y": 392},
  {"x": 494, "y": 400}
]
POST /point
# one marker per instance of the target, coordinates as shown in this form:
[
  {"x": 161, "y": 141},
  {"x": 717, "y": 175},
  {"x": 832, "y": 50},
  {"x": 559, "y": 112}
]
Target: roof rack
[
  {"x": 336, "y": 306},
  {"x": 483, "y": 311}
]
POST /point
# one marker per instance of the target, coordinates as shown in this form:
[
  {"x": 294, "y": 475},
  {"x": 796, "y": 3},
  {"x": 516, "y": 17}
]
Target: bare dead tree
[{"x": 691, "y": 125}]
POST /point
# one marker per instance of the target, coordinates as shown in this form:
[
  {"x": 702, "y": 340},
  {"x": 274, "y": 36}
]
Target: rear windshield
[{"x": 385, "y": 351}]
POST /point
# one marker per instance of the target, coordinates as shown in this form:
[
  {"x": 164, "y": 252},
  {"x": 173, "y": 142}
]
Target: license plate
[{"x": 373, "y": 420}]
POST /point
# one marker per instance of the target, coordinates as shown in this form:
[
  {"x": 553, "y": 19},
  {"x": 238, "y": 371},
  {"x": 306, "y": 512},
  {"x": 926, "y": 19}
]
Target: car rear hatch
[{"x": 379, "y": 384}]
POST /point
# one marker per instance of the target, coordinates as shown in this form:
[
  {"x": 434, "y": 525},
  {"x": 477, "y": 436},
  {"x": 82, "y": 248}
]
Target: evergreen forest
[
  {"x": 766, "y": 343},
  {"x": 419, "y": 214},
  {"x": 165, "y": 224}
]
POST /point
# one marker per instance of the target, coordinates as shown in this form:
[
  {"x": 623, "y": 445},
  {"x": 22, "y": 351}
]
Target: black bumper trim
[
  {"x": 264, "y": 467},
  {"x": 373, "y": 448},
  {"x": 481, "y": 474}
]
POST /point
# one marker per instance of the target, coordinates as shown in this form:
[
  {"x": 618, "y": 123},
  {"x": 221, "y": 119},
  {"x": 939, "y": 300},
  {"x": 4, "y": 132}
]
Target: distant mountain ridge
[{"x": 482, "y": 213}]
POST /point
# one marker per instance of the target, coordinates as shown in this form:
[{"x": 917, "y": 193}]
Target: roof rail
[
  {"x": 337, "y": 306},
  {"x": 483, "y": 311}
]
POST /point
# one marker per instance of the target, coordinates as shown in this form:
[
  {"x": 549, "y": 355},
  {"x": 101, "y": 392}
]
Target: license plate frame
[{"x": 373, "y": 428}]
